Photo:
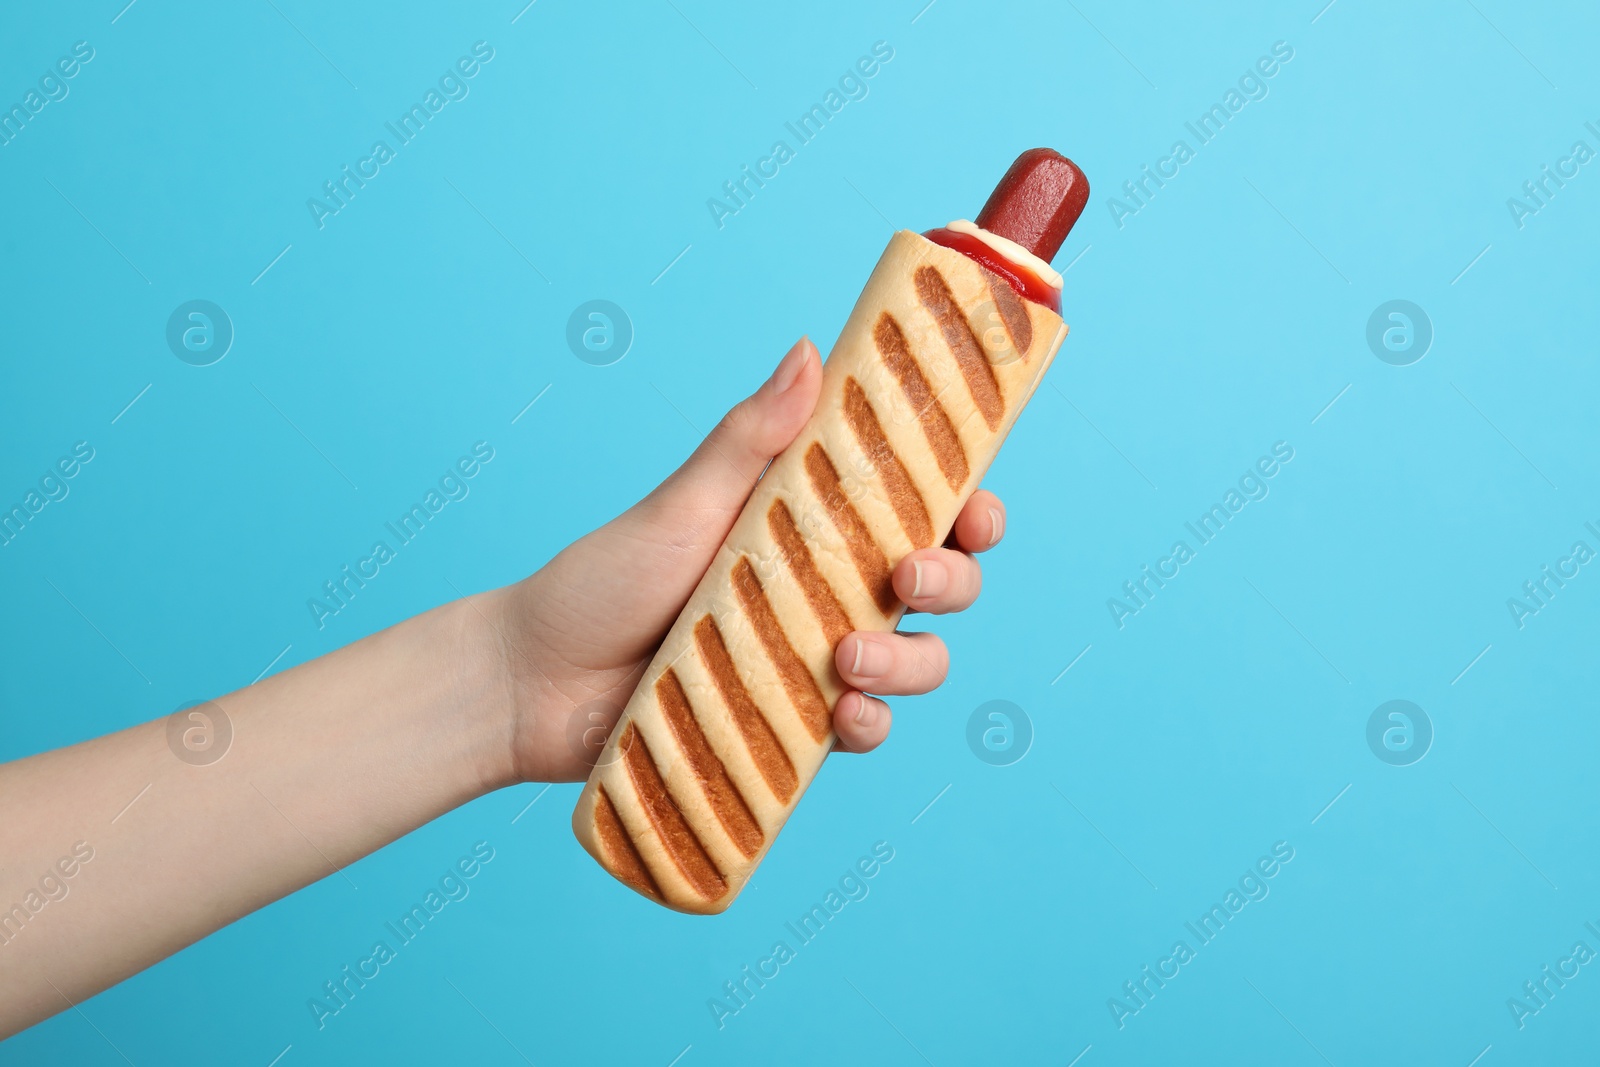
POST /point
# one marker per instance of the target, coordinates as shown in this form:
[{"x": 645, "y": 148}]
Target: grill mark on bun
[
  {"x": 935, "y": 295},
  {"x": 1013, "y": 312},
  {"x": 726, "y": 800},
  {"x": 903, "y": 496},
  {"x": 676, "y": 835},
  {"x": 819, "y": 594},
  {"x": 936, "y": 425},
  {"x": 766, "y": 751},
  {"x": 871, "y": 563},
  {"x": 797, "y": 680},
  {"x": 626, "y": 863}
]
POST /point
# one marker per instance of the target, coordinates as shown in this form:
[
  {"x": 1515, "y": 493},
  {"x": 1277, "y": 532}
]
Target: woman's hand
[
  {"x": 578, "y": 635},
  {"x": 332, "y": 759}
]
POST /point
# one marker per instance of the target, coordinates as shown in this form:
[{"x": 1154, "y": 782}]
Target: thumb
[{"x": 699, "y": 502}]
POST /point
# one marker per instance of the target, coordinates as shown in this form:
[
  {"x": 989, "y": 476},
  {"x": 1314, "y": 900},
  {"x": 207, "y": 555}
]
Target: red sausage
[
  {"x": 1035, "y": 205},
  {"x": 1037, "y": 202}
]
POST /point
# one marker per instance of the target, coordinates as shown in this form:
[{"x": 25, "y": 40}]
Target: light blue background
[{"x": 1222, "y": 318}]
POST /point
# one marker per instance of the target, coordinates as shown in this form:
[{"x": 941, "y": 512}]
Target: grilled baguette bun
[{"x": 733, "y": 718}]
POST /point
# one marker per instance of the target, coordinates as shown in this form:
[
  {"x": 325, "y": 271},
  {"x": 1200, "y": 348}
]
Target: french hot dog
[{"x": 732, "y": 719}]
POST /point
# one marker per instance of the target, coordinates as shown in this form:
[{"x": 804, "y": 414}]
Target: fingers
[
  {"x": 897, "y": 664},
  {"x": 981, "y": 523},
  {"x": 942, "y": 580},
  {"x": 861, "y": 722},
  {"x": 892, "y": 664},
  {"x": 938, "y": 580}
]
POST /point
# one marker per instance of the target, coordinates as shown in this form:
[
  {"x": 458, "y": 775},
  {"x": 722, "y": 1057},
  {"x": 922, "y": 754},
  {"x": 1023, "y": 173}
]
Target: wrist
[
  {"x": 543, "y": 692},
  {"x": 524, "y": 716},
  {"x": 478, "y": 647}
]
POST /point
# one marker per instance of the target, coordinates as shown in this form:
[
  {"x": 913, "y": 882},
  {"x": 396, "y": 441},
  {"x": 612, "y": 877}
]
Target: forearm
[{"x": 327, "y": 762}]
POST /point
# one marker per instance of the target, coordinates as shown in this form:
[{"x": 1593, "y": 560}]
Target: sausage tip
[{"x": 1037, "y": 201}]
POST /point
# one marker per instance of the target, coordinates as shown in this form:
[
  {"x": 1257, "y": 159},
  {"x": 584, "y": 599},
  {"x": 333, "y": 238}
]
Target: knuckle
[
  {"x": 972, "y": 581},
  {"x": 736, "y": 422},
  {"x": 930, "y": 661}
]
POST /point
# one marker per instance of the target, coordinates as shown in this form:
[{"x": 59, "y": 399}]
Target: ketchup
[{"x": 1024, "y": 281}]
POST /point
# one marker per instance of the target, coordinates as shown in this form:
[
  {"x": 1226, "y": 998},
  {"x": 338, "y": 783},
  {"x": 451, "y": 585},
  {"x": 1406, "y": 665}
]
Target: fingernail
[
  {"x": 997, "y": 525},
  {"x": 872, "y": 660},
  {"x": 932, "y": 578},
  {"x": 789, "y": 369},
  {"x": 866, "y": 712}
]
